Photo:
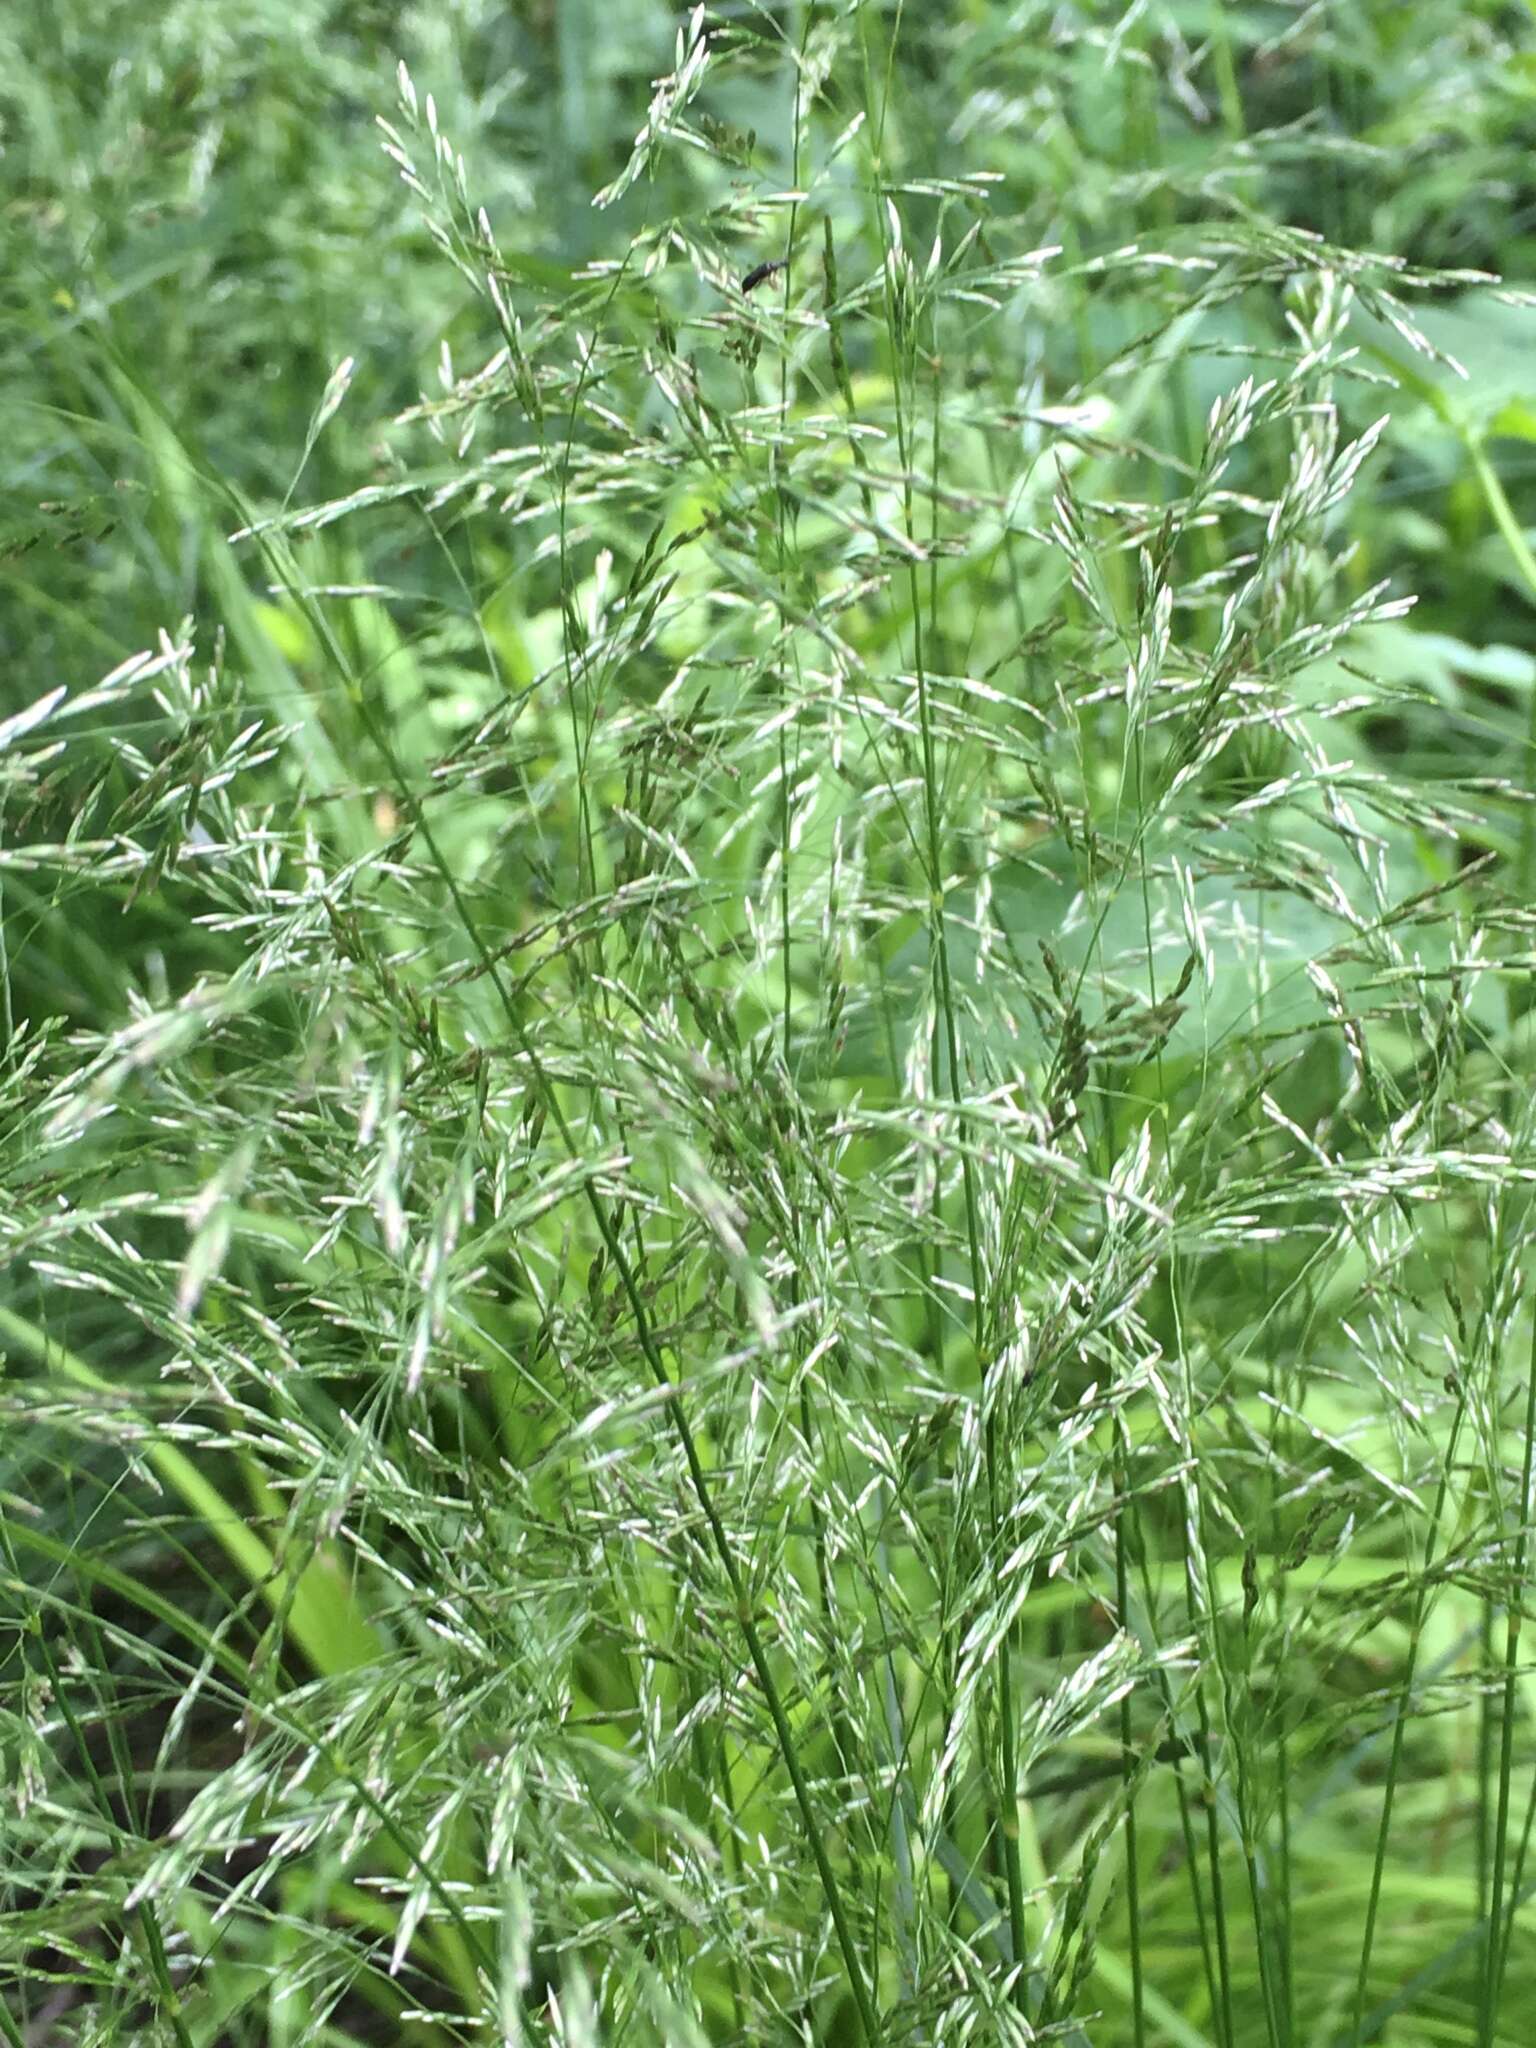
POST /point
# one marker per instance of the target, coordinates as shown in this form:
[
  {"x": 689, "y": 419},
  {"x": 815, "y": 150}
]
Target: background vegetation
[{"x": 766, "y": 1218}]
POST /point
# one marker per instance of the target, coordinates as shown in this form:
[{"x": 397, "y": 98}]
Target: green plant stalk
[
  {"x": 1483, "y": 1916},
  {"x": 1006, "y": 1717},
  {"x": 1499, "y": 1936},
  {"x": 1221, "y": 1984},
  {"x": 1399, "y": 1727},
  {"x": 1008, "y": 1775},
  {"x": 1516, "y": 1884},
  {"x": 1196, "y": 1607},
  {"x": 1122, "y": 1487},
  {"x": 1513, "y": 535},
  {"x": 1237, "y": 1730},
  {"x": 1127, "y": 1772},
  {"x": 732, "y": 1856},
  {"x": 842, "y": 1737},
  {"x": 1179, "y": 1751},
  {"x": 1285, "y": 1932},
  {"x": 1263, "y": 1943}
]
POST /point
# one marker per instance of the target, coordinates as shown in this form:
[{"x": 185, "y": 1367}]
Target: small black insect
[{"x": 763, "y": 271}]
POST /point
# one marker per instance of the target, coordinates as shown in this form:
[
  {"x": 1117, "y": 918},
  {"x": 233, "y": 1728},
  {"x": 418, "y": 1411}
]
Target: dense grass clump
[{"x": 768, "y": 1071}]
